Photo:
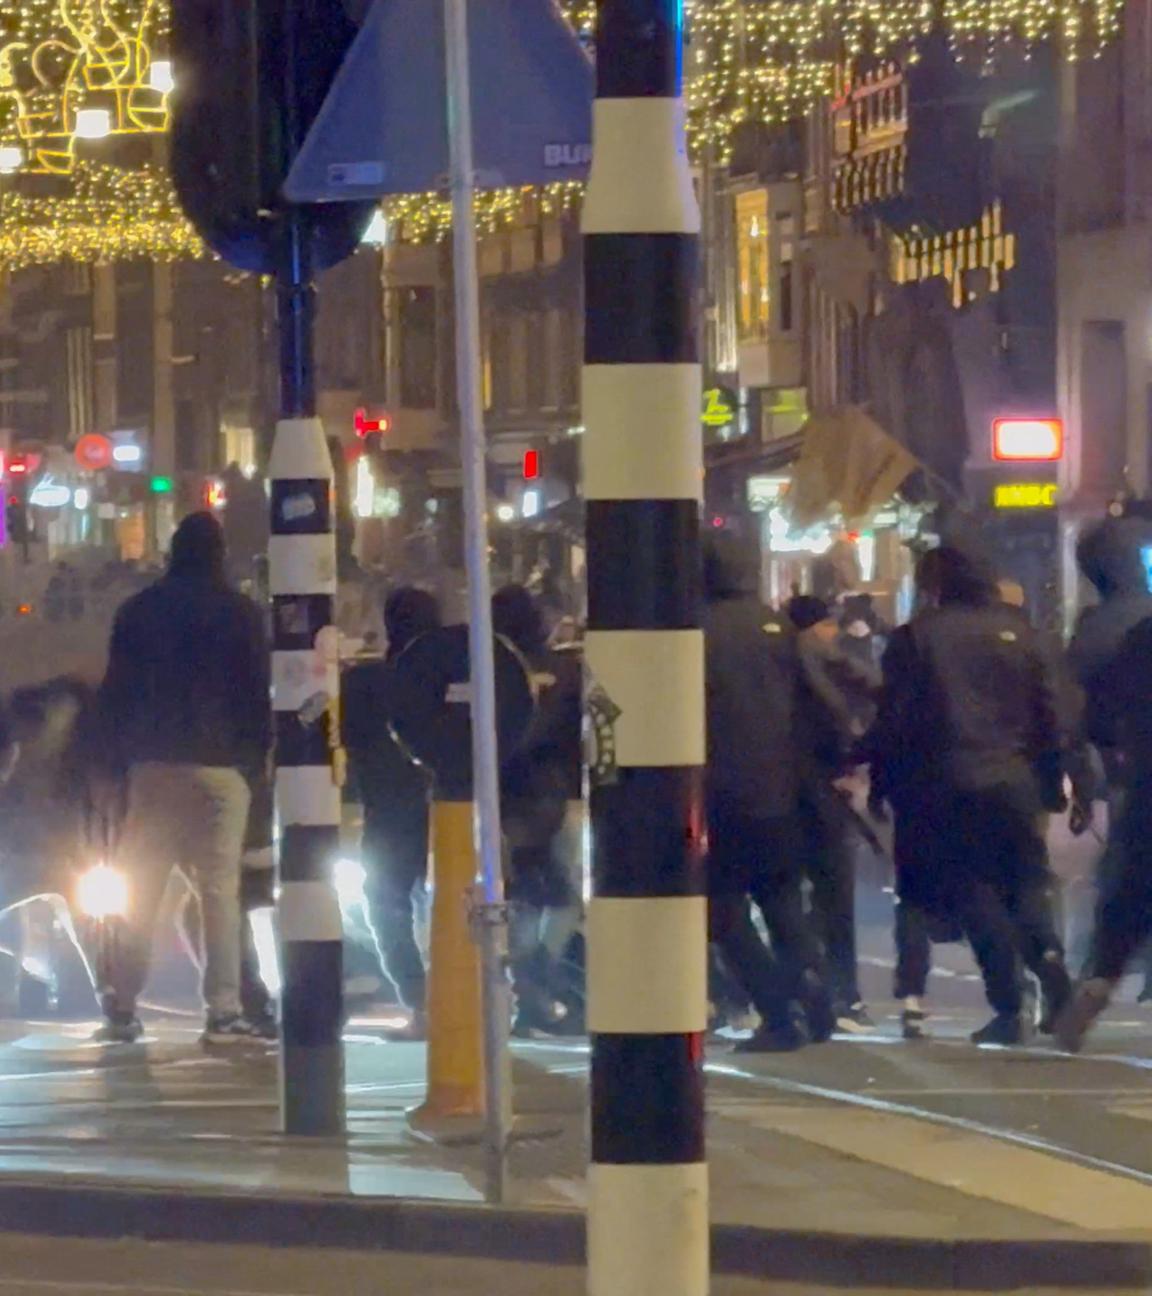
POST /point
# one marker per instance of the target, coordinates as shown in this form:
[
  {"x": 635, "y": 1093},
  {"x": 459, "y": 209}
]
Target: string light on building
[{"x": 747, "y": 61}]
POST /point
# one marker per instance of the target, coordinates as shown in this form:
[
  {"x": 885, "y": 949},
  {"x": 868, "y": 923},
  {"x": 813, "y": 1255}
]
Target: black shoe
[
  {"x": 819, "y": 1015},
  {"x": 914, "y": 1024},
  {"x": 1056, "y": 988},
  {"x": 773, "y": 1039},
  {"x": 854, "y": 1020},
  {"x": 1005, "y": 1029},
  {"x": 264, "y": 1027},
  {"x": 227, "y": 1028},
  {"x": 119, "y": 1028},
  {"x": 1089, "y": 1001}
]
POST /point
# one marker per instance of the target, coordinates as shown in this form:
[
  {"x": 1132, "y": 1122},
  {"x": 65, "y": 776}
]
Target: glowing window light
[
  {"x": 160, "y": 77},
  {"x": 11, "y": 158}
]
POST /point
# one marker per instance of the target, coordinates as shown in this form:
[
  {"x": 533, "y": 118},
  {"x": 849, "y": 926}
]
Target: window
[
  {"x": 785, "y": 270},
  {"x": 415, "y": 334},
  {"x": 753, "y": 261}
]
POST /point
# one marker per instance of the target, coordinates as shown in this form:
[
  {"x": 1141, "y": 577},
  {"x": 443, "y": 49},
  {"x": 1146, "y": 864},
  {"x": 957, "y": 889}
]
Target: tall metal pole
[
  {"x": 306, "y": 693},
  {"x": 647, "y": 999},
  {"x": 485, "y": 755}
]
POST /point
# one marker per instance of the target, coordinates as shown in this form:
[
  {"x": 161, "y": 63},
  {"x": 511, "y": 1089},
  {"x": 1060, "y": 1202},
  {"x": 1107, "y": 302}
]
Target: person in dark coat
[
  {"x": 541, "y": 780},
  {"x": 755, "y": 731},
  {"x": 185, "y": 710},
  {"x": 1124, "y": 916},
  {"x": 846, "y": 689},
  {"x": 1110, "y": 558},
  {"x": 394, "y": 792},
  {"x": 967, "y": 748}
]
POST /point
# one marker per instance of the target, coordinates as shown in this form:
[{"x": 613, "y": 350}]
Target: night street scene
[{"x": 575, "y": 647}]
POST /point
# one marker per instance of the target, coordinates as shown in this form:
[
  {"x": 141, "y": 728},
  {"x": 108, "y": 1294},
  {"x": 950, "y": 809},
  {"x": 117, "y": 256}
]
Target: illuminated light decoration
[
  {"x": 11, "y": 158},
  {"x": 364, "y": 496},
  {"x": 127, "y": 454},
  {"x": 80, "y": 69},
  {"x": 18, "y": 466},
  {"x": 160, "y": 77},
  {"x": 747, "y": 60},
  {"x": 530, "y": 505},
  {"x": 955, "y": 255},
  {"x": 111, "y": 214},
  {"x": 1025, "y": 495},
  {"x": 869, "y": 139},
  {"x": 505, "y": 512},
  {"x": 531, "y": 465},
  {"x": 161, "y": 485},
  {"x": 1027, "y": 440},
  {"x": 81, "y": 498},
  {"x": 719, "y": 407},
  {"x": 93, "y": 124},
  {"x": 215, "y": 496}
]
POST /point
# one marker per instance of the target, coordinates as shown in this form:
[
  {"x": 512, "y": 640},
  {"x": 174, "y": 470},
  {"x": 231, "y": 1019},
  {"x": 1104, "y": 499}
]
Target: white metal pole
[{"x": 485, "y": 755}]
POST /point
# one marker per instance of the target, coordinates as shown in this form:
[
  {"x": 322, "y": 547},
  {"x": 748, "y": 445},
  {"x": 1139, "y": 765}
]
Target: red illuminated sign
[
  {"x": 1027, "y": 440},
  {"x": 94, "y": 452},
  {"x": 365, "y": 426},
  {"x": 531, "y": 465}
]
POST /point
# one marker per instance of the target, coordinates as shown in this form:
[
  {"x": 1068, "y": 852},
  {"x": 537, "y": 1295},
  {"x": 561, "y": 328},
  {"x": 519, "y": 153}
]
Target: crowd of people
[{"x": 973, "y": 727}]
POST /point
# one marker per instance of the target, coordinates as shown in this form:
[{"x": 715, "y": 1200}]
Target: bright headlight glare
[
  {"x": 348, "y": 878},
  {"x": 103, "y": 893}
]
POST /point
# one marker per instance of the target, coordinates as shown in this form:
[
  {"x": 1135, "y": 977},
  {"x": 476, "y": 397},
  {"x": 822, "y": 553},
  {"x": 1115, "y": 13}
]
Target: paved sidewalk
[{"x": 171, "y": 1142}]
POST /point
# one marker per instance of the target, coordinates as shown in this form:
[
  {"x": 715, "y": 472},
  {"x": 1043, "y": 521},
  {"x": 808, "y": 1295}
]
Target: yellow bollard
[{"x": 455, "y": 1018}]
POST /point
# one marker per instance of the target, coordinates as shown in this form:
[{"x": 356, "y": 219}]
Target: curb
[{"x": 83, "y": 1208}]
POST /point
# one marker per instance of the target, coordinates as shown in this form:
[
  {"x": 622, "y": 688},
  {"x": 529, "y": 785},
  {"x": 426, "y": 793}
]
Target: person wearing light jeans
[
  {"x": 193, "y": 818},
  {"x": 185, "y": 720}
]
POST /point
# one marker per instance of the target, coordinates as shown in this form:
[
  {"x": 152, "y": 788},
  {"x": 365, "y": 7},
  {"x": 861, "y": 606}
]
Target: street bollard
[
  {"x": 433, "y": 721},
  {"x": 455, "y": 1019},
  {"x": 647, "y": 946}
]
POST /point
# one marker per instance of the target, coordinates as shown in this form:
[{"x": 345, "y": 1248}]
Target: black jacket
[
  {"x": 753, "y": 677},
  {"x": 188, "y": 679},
  {"x": 390, "y": 784},
  {"x": 969, "y": 702}
]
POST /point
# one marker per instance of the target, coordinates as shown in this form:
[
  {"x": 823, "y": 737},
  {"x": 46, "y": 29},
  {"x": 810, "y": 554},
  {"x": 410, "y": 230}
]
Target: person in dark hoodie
[
  {"x": 185, "y": 714},
  {"x": 394, "y": 792},
  {"x": 756, "y": 730},
  {"x": 1109, "y": 556},
  {"x": 968, "y": 749},
  {"x": 540, "y": 780}
]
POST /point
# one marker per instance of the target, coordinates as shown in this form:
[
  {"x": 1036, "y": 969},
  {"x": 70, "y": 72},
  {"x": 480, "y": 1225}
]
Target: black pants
[
  {"x": 830, "y": 863},
  {"x": 759, "y": 859},
  {"x": 913, "y": 951},
  {"x": 996, "y": 862},
  {"x": 1124, "y": 914},
  {"x": 395, "y": 851}
]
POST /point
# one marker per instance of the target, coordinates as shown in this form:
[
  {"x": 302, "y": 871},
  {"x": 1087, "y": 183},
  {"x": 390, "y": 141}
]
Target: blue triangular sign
[{"x": 383, "y": 128}]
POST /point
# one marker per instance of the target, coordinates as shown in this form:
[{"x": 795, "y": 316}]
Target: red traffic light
[
  {"x": 1027, "y": 440},
  {"x": 365, "y": 426},
  {"x": 531, "y": 465}
]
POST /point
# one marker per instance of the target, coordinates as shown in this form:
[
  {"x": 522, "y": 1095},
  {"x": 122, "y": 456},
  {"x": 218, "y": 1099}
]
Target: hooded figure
[
  {"x": 754, "y": 696},
  {"x": 394, "y": 792},
  {"x": 185, "y": 710},
  {"x": 1110, "y": 556}
]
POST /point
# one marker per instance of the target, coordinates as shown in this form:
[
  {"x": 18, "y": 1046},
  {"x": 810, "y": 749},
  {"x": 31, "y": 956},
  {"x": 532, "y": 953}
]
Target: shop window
[{"x": 754, "y": 262}]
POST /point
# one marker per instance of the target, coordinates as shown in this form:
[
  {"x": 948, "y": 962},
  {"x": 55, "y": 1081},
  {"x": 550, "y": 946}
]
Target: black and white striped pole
[
  {"x": 647, "y": 992},
  {"x": 305, "y": 699}
]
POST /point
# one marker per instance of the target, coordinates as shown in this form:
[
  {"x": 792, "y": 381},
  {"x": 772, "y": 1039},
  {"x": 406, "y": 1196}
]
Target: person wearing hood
[
  {"x": 185, "y": 714},
  {"x": 541, "y": 778},
  {"x": 756, "y": 729},
  {"x": 394, "y": 792},
  {"x": 968, "y": 750}
]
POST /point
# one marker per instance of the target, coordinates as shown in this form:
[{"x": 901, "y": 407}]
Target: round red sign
[{"x": 94, "y": 452}]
